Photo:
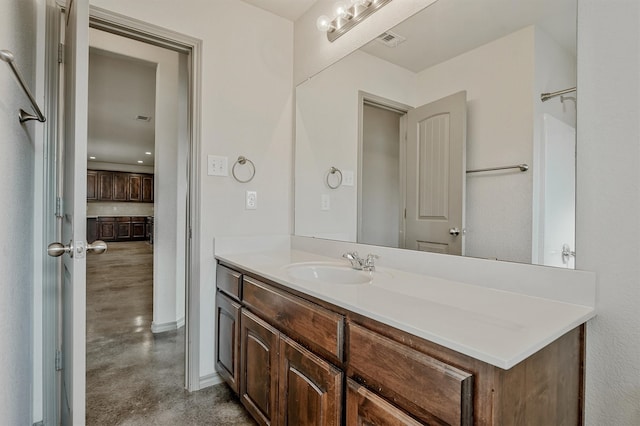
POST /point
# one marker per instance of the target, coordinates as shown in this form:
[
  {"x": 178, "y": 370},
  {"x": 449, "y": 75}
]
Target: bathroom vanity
[{"x": 304, "y": 339}]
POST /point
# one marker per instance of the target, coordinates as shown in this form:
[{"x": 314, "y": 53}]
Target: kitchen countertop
[{"x": 498, "y": 327}]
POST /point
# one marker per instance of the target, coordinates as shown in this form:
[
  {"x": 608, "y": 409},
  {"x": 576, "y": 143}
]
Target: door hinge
[
  {"x": 58, "y": 360},
  {"x": 60, "y": 53},
  {"x": 190, "y": 233},
  {"x": 58, "y": 211},
  {"x": 405, "y": 213}
]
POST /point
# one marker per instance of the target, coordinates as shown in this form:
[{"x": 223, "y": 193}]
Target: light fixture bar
[{"x": 358, "y": 13}]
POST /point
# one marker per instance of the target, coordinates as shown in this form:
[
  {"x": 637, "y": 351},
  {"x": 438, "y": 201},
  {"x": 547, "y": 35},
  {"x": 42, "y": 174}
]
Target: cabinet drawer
[
  {"x": 228, "y": 281},
  {"x": 437, "y": 393},
  {"x": 315, "y": 327}
]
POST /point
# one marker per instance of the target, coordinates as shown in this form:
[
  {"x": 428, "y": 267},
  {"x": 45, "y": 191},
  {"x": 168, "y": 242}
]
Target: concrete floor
[{"x": 135, "y": 377}]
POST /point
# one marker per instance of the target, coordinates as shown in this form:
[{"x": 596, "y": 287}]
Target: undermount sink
[{"x": 327, "y": 272}]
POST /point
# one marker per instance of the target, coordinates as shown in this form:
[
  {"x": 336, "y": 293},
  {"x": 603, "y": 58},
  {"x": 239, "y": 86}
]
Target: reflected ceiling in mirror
[{"x": 502, "y": 55}]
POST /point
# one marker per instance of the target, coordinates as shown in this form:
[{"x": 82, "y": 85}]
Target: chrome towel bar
[
  {"x": 7, "y": 56},
  {"x": 522, "y": 167}
]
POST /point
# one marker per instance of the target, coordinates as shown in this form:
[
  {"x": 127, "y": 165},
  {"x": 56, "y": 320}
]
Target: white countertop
[{"x": 499, "y": 327}]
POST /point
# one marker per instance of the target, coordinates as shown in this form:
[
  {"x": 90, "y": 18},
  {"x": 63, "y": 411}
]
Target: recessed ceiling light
[
  {"x": 148, "y": 153},
  {"x": 92, "y": 158},
  {"x": 139, "y": 161}
]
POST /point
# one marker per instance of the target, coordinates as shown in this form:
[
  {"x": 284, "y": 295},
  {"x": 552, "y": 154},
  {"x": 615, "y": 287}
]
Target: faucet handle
[{"x": 369, "y": 262}]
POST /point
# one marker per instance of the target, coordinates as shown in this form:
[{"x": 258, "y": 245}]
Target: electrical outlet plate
[
  {"x": 217, "y": 166},
  {"x": 325, "y": 202},
  {"x": 251, "y": 200}
]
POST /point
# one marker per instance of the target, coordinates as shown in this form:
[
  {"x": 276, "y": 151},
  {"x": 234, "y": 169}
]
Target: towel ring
[
  {"x": 242, "y": 160},
  {"x": 333, "y": 171}
]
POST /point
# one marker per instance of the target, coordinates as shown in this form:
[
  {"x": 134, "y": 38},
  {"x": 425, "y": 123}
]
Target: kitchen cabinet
[
  {"x": 92, "y": 229},
  {"x": 92, "y": 185},
  {"x": 121, "y": 228},
  {"x": 105, "y": 185},
  {"x": 299, "y": 355}
]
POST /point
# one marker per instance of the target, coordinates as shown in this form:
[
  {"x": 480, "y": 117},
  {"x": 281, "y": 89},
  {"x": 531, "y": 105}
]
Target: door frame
[
  {"x": 380, "y": 102},
  {"x": 138, "y": 30},
  {"x": 47, "y": 308}
]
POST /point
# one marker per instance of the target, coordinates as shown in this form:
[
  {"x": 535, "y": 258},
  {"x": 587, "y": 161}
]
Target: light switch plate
[
  {"x": 348, "y": 178},
  {"x": 217, "y": 166}
]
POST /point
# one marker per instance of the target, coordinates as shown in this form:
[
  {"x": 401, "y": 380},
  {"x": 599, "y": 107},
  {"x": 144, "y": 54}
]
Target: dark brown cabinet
[
  {"x": 310, "y": 389},
  {"x": 92, "y": 185},
  {"x": 228, "y": 340},
  {"x": 105, "y": 185},
  {"x": 259, "y": 368},
  {"x": 121, "y": 228},
  {"x": 295, "y": 354},
  {"x": 92, "y": 229},
  {"x": 121, "y": 187}
]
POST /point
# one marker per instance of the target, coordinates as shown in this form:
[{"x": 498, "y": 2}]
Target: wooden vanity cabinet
[
  {"x": 304, "y": 363},
  {"x": 229, "y": 283}
]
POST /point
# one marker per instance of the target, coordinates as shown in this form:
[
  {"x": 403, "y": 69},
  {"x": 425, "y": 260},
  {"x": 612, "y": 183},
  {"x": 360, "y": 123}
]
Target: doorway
[{"x": 65, "y": 382}]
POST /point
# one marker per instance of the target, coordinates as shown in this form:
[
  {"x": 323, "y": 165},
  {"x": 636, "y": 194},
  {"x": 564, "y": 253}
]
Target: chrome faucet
[{"x": 361, "y": 264}]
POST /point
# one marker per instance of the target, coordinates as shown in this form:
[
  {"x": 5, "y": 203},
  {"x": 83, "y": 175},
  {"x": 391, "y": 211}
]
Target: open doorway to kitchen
[{"x": 137, "y": 189}]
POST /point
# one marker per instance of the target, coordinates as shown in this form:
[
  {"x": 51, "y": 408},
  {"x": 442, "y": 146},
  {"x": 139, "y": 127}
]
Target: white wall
[
  {"x": 17, "y": 147},
  {"x": 608, "y": 203},
  {"x": 247, "y": 69},
  {"x": 327, "y": 135},
  {"x": 169, "y": 177}
]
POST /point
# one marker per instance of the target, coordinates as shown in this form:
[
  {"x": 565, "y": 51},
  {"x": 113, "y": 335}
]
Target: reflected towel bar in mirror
[{"x": 7, "y": 57}]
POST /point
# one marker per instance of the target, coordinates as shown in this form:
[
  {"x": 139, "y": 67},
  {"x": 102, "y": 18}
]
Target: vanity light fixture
[{"x": 347, "y": 14}]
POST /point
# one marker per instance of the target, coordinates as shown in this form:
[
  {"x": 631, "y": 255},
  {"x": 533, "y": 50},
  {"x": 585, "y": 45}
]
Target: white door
[
  {"x": 76, "y": 72},
  {"x": 436, "y": 149},
  {"x": 558, "y": 197}
]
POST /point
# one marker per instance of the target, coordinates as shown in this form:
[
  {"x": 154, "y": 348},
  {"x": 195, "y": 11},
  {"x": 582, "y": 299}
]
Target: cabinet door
[
  {"x": 366, "y": 408},
  {"x": 105, "y": 186},
  {"x": 107, "y": 230},
  {"x": 228, "y": 340},
  {"x": 310, "y": 389},
  {"x": 92, "y": 229},
  {"x": 92, "y": 185},
  {"x": 259, "y": 368},
  {"x": 138, "y": 228},
  {"x": 123, "y": 232},
  {"x": 147, "y": 188},
  {"x": 120, "y": 187},
  {"x": 135, "y": 187}
]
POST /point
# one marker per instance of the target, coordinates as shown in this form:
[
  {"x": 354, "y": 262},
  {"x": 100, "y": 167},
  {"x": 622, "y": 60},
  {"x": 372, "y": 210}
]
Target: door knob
[
  {"x": 58, "y": 249},
  {"x": 454, "y": 231},
  {"x": 98, "y": 247}
]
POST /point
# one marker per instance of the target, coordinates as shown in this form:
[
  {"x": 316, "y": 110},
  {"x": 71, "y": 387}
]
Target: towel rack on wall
[
  {"x": 546, "y": 96},
  {"x": 23, "y": 115},
  {"x": 523, "y": 168}
]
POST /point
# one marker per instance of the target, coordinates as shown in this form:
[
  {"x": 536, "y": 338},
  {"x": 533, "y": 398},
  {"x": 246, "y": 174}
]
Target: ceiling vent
[
  {"x": 143, "y": 118},
  {"x": 390, "y": 39}
]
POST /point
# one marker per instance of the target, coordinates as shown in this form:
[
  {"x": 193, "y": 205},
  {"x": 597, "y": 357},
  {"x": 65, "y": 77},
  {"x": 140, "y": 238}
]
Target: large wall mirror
[{"x": 434, "y": 136}]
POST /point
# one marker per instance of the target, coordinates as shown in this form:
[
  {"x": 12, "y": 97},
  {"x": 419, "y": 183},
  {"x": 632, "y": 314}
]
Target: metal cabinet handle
[{"x": 454, "y": 231}]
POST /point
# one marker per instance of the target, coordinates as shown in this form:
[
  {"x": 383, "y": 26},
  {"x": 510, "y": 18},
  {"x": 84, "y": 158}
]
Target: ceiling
[
  {"x": 120, "y": 89},
  {"x": 448, "y": 28},
  {"x": 289, "y": 9}
]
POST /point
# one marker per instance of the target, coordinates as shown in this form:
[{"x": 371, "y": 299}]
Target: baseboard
[
  {"x": 210, "y": 380},
  {"x": 167, "y": 326}
]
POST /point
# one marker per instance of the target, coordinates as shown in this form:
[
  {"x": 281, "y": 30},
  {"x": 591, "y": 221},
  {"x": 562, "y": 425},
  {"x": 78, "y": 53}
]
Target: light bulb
[
  {"x": 323, "y": 23},
  {"x": 342, "y": 10}
]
